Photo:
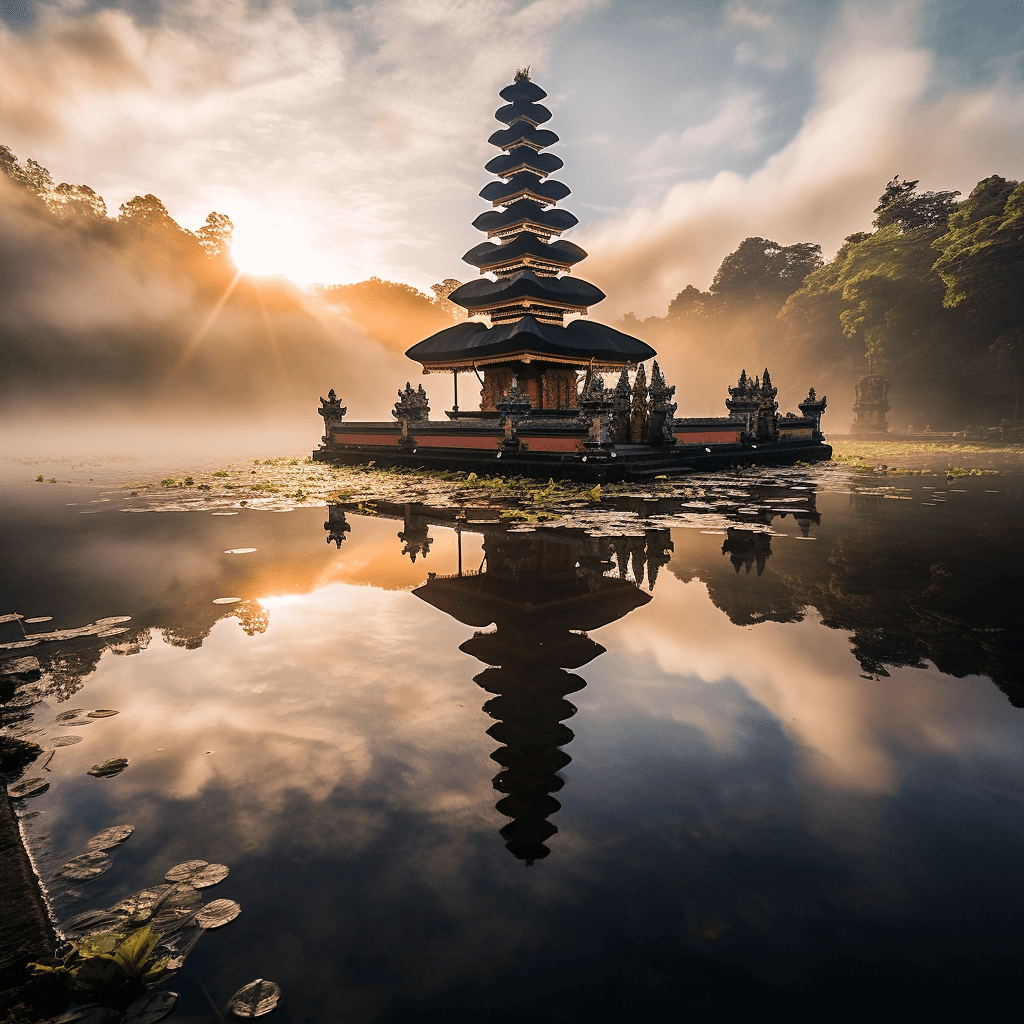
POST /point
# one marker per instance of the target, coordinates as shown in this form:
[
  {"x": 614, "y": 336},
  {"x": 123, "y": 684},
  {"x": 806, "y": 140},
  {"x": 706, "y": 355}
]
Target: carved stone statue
[
  {"x": 766, "y": 417},
  {"x": 640, "y": 410},
  {"x": 333, "y": 413},
  {"x": 412, "y": 405},
  {"x": 621, "y": 409},
  {"x": 662, "y": 408},
  {"x": 871, "y": 405}
]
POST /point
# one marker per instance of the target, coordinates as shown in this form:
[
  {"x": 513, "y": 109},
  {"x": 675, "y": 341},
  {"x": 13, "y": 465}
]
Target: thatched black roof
[
  {"x": 487, "y": 255},
  {"x": 526, "y": 284},
  {"x": 525, "y": 211},
  {"x": 532, "y": 111},
  {"x": 523, "y": 91},
  {"x": 523, "y": 157},
  {"x": 579, "y": 342},
  {"x": 522, "y": 133},
  {"x": 497, "y": 191}
]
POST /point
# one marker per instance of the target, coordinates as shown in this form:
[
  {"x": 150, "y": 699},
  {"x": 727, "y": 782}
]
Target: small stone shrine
[
  {"x": 871, "y": 405},
  {"x": 544, "y": 408}
]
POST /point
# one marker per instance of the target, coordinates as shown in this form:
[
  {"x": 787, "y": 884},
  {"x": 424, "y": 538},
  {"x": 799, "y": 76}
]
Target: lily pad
[
  {"x": 226, "y": 600},
  {"x": 177, "y": 907},
  {"x": 256, "y": 999},
  {"x": 18, "y": 644},
  {"x": 110, "y": 837},
  {"x": 102, "y": 713},
  {"x": 90, "y": 1014},
  {"x": 113, "y": 632},
  {"x": 72, "y": 723},
  {"x": 217, "y": 913},
  {"x": 140, "y": 905},
  {"x": 112, "y": 620},
  {"x": 150, "y": 1008},
  {"x": 86, "y": 865},
  {"x": 30, "y": 787},
  {"x": 200, "y": 873},
  {"x": 65, "y": 741},
  {"x": 108, "y": 769},
  {"x": 40, "y": 618},
  {"x": 68, "y": 716}
]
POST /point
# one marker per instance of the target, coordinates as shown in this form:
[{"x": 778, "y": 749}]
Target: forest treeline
[
  {"x": 133, "y": 307},
  {"x": 933, "y": 298}
]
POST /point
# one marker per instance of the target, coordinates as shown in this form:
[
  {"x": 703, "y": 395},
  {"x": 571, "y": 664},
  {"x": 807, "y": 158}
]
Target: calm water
[{"x": 768, "y": 765}]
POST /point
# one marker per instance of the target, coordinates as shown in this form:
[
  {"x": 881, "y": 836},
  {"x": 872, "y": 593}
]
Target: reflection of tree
[
  {"x": 540, "y": 590},
  {"x": 906, "y": 593}
]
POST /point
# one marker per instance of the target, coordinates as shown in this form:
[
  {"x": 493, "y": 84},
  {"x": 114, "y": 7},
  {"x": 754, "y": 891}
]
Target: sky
[{"x": 347, "y": 140}]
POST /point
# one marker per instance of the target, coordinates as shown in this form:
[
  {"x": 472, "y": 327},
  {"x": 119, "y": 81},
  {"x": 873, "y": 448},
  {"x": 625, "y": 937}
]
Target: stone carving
[
  {"x": 639, "y": 410},
  {"x": 766, "y": 417},
  {"x": 333, "y": 413},
  {"x": 813, "y": 409},
  {"x": 412, "y": 405},
  {"x": 515, "y": 400},
  {"x": 596, "y": 404},
  {"x": 621, "y": 402},
  {"x": 871, "y": 405},
  {"x": 662, "y": 408},
  {"x": 336, "y": 526}
]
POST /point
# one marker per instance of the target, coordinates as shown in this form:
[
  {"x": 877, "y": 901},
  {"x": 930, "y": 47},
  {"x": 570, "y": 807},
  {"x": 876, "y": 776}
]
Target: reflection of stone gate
[{"x": 871, "y": 405}]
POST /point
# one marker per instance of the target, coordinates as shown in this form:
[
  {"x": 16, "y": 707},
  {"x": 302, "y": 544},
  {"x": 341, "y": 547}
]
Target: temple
[
  {"x": 526, "y": 300},
  {"x": 539, "y": 361}
]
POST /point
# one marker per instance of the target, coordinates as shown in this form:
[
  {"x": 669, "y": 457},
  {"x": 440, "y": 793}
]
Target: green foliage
[
  {"x": 215, "y": 235},
  {"x": 761, "y": 269},
  {"x": 901, "y": 204},
  {"x": 108, "y": 963},
  {"x": 981, "y": 262}
]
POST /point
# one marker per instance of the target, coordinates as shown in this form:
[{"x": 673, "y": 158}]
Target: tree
[
  {"x": 215, "y": 235},
  {"x": 690, "y": 302},
  {"x": 147, "y": 213},
  {"x": 901, "y": 204},
  {"x": 763, "y": 270},
  {"x": 78, "y": 202}
]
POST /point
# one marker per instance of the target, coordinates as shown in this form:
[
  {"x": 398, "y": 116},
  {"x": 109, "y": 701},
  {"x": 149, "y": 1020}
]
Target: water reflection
[{"x": 542, "y": 592}]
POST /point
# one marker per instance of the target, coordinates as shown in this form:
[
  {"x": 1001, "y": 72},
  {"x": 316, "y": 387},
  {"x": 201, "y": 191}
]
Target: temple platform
[{"x": 639, "y": 463}]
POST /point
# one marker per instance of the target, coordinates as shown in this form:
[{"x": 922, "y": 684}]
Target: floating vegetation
[
  {"x": 108, "y": 769},
  {"x": 102, "y": 713},
  {"x": 199, "y": 873},
  {"x": 28, "y": 788},
  {"x": 150, "y": 1008},
  {"x": 110, "y": 837},
  {"x": 226, "y": 600},
  {"x": 256, "y": 999},
  {"x": 39, "y": 618},
  {"x": 113, "y": 632},
  {"x": 112, "y": 620},
  {"x": 86, "y": 866},
  {"x": 67, "y": 740},
  {"x": 92, "y": 922},
  {"x": 217, "y": 913}
]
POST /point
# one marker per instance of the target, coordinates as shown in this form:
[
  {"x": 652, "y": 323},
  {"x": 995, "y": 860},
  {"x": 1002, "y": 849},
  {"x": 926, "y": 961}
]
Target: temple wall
[{"x": 730, "y": 436}]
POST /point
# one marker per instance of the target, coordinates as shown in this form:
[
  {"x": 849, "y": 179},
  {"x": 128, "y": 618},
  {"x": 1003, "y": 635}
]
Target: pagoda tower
[
  {"x": 542, "y": 592},
  {"x": 526, "y": 291}
]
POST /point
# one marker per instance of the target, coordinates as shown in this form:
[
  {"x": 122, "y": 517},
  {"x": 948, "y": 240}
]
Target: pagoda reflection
[{"x": 542, "y": 591}]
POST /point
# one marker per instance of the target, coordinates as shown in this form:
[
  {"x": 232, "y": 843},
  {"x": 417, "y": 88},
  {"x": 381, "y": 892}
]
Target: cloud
[
  {"x": 355, "y": 127},
  {"x": 879, "y": 110}
]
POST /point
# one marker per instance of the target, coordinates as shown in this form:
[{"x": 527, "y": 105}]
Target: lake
[{"x": 755, "y": 754}]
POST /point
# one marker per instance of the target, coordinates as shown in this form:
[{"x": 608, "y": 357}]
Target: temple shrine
[{"x": 539, "y": 361}]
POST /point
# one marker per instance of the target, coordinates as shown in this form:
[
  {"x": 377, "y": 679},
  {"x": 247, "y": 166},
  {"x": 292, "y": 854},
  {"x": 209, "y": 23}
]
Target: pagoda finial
[{"x": 522, "y": 74}]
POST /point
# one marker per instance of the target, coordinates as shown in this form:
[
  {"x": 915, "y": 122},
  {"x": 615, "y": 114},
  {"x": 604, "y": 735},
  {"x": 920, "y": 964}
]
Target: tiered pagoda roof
[{"x": 527, "y": 299}]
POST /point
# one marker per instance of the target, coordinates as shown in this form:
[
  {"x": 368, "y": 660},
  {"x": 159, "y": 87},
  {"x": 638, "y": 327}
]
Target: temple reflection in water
[{"x": 542, "y": 591}]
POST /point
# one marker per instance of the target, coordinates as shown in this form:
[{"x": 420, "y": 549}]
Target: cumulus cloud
[
  {"x": 342, "y": 128},
  {"x": 878, "y": 111}
]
